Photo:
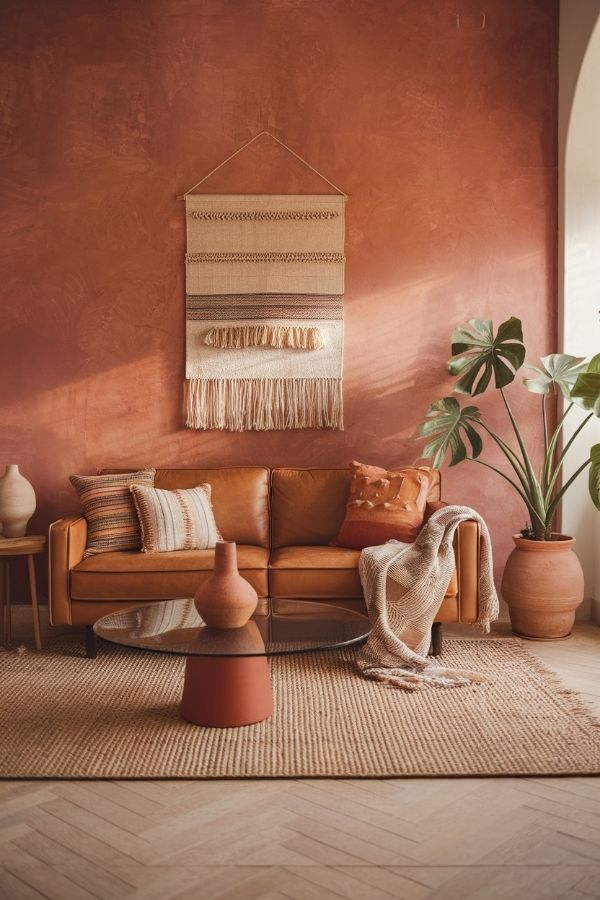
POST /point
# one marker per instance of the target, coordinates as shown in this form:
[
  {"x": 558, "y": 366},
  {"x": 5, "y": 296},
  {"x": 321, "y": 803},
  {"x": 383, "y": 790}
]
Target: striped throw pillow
[
  {"x": 175, "y": 520},
  {"x": 108, "y": 506}
]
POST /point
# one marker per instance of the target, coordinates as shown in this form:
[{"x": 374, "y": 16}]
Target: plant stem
[
  {"x": 509, "y": 453},
  {"x": 561, "y": 458},
  {"x": 565, "y": 488},
  {"x": 545, "y": 422},
  {"x": 536, "y": 499},
  {"x": 521, "y": 494},
  {"x": 553, "y": 442}
]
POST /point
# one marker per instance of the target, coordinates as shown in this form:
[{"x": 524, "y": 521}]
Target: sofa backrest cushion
[
  {"x": 240, "y": 498},
  {"x": 305, "y": 507},
  {"x": 308, "y": 505}
]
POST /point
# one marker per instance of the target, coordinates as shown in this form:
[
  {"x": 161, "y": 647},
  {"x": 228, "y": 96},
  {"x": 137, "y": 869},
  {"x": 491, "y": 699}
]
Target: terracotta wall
[{"x": 443, "y": 136}]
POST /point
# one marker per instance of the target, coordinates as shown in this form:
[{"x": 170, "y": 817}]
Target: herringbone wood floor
[{"x": 457, "y": 839}]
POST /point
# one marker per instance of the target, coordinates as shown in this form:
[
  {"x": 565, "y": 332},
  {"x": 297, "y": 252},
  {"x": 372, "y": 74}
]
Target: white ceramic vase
[{"x": 17, "y": 502}]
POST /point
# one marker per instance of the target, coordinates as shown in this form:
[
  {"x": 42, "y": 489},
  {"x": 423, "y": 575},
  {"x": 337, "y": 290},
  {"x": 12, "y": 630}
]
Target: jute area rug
[{"x": 63, "y": 716}]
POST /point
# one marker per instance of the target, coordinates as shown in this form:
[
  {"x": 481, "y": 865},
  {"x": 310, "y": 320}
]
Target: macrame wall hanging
[{"x": 264, "y": 311}]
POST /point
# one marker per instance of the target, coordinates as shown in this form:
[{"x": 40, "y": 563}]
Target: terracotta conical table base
[{"x": 228, "y": 691}]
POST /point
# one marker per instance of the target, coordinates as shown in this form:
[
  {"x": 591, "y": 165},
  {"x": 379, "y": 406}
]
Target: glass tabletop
[{"x": 280, "y": 627}]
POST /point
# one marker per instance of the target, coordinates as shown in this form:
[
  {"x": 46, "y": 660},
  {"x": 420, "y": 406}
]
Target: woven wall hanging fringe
[
  {"x": 264, "y": 280},
  {"x": 232, "y": 337},
  {"x": 269, "y": 404}
]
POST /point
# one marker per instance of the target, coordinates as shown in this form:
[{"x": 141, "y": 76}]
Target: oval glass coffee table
[{"x": 227, "y": 681}]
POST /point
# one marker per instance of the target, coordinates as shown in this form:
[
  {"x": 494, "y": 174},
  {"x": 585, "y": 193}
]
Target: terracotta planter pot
[
  {"x": 225, "y": 599},
  {"x": 543, "y": 586}
]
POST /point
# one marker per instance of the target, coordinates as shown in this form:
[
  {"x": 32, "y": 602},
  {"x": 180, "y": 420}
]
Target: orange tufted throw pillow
[{"x": 384, "y": 505}]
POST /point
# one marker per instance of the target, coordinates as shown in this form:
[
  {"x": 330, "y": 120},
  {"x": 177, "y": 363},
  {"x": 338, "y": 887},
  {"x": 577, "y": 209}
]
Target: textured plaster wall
[{"x": 442, "y": 132}]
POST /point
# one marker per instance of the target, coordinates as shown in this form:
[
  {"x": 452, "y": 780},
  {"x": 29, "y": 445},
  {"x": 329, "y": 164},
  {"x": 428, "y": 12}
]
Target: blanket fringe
[
  {"x": 272, "y": 404},
  {"x": 413, "y": 679},
  {"x": 294, "y": 337}
]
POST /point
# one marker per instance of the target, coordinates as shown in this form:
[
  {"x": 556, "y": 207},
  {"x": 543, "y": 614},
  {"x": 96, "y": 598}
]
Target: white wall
[{"x": 579, "y": 250}]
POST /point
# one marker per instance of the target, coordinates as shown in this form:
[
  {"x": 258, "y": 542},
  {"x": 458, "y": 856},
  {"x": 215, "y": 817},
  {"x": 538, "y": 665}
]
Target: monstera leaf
[
  {"x": 477, "y": 354},
  {"x": 560, "y": 371},
  {"x": 595, "y": 475},
  {"x": 446, "y": 422},
  {"x": 586, "y": 390}
]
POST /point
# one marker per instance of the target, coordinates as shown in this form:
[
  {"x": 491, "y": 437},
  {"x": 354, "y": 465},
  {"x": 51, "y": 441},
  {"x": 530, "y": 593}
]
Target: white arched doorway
[{"x": 579, "y": 249}]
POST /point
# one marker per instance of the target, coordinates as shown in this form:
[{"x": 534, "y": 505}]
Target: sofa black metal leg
[
  {"x": 437, "y": 639},
  {"x": 91, "y": 642}
]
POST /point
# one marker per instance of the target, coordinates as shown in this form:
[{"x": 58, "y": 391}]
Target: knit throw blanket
[{"x": 404, "y": 585}]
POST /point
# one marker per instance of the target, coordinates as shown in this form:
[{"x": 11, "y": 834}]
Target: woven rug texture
[{"x": 64, "y": 716}]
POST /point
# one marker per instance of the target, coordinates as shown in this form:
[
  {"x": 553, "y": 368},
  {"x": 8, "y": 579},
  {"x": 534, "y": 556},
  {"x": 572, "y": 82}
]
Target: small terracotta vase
[
  {"x": 17, "y": 502},
  {"x": 543, "y": 586},
  {"x": 225, "y": 599}
]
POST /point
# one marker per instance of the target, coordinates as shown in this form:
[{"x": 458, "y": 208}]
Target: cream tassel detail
[
  {"x": 294, "y": 337},
  {"x": 269, "y": 404}
]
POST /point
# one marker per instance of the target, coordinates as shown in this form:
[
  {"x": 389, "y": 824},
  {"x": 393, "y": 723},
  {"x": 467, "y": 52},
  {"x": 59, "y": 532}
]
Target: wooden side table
[{"x": 23, "y": 546}]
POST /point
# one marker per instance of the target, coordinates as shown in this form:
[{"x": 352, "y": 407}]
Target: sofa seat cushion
[
  {"x": 134, "y": 575},
  {"x": 321, "y": 572},
  {"x": 314, "y": 572}
]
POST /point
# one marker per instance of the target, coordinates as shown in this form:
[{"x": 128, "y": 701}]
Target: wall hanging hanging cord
[{"x": 247, "y": 144}]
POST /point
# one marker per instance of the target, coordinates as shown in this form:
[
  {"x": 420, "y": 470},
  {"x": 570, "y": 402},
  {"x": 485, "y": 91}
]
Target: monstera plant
[{"x": 478, "y": 356}]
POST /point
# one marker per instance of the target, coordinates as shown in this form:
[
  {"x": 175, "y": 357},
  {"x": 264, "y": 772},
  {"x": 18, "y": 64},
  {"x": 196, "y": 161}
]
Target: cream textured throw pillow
[{"x": 175, "y": 520}]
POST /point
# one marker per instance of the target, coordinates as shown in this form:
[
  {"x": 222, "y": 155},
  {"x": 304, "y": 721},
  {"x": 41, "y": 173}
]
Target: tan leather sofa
[{"x": 281, "y": 520}]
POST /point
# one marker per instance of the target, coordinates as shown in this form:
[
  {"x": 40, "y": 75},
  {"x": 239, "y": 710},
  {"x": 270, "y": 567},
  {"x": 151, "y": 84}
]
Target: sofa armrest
[
  {"x": 466, "y": 551},
  {"x": 67, "y": 540}
]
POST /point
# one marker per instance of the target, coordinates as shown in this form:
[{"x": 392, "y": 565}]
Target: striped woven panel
[
  {"x": 107, "y": 504},
  {"x": 175, "y": 520},
  {"x": 265, "y": 306},
  {"x": 264, "y": 311}
]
